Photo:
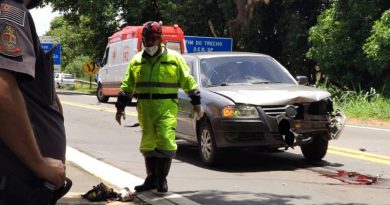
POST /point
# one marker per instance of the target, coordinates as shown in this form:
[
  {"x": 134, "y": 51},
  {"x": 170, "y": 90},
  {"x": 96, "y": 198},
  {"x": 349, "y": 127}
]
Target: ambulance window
[
  {"x": 174, "y": 46},
  {"x": 105, "y": 56}
]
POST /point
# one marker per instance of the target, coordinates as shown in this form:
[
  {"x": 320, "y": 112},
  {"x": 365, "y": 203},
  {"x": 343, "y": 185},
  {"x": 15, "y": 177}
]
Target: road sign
[
  {"x": 47, "y": 42},
  {"x": 90, "y": 68},
  {"x": 57, "y": 53},
  {"x": 207, "y": 44}
]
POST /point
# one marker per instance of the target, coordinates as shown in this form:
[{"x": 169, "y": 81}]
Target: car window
[
  {"x": 105, "y": 56},
  {"x": 243, "y": 69},
  {"x": 67, "y": 76},
  {"x": 190, "y": 63}
]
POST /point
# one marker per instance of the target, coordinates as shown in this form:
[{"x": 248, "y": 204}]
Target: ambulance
[{"x": 121, "y": 48}]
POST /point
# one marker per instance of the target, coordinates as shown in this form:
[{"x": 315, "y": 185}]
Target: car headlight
[{"x": 240, "y": 111}]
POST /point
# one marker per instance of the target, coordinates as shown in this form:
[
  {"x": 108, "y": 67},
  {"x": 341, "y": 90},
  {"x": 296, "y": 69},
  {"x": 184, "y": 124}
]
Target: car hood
[{"x": 270, "y": 94}]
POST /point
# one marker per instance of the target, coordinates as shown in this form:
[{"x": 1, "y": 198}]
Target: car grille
[
  {"x": 245, "y": 137},
  {"x": 274, "y": 111},
  {"x": 315, "y": 108}
]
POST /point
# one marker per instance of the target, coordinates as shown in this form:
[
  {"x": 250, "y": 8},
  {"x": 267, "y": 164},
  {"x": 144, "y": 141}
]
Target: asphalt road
[{"x": 247, "y": 177}]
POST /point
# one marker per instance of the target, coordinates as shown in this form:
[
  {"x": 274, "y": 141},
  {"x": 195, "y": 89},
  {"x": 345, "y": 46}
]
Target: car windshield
[{"x": 219, "y": 71}]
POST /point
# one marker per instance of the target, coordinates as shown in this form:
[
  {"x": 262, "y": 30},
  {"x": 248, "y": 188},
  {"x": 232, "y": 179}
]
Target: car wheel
[
  {"x": 207, "y": 146},
  {"x": 99, "y": 94},
  {"x": 58, "y": 85},
  {"x": 316, "y": 150}
]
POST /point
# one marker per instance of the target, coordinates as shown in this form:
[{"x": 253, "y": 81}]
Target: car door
[{"x": 186, "y": 123}]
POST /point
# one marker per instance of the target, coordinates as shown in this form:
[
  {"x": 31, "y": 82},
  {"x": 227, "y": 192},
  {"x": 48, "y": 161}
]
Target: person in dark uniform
[{"x": 32, "y": 133}]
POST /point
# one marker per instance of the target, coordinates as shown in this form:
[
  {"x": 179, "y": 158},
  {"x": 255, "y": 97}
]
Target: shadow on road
[
  {"x": 249, "y": 160},
  {"x": 233, "y": 198}
]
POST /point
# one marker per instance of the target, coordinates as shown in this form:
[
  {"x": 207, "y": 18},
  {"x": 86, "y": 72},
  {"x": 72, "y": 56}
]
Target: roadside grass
[
  {"x": 86, "y": 88},
  {"x": 82, "y": 87},
  {"x": 360, "y": 107},
  {"x": 361, "y": 104}
]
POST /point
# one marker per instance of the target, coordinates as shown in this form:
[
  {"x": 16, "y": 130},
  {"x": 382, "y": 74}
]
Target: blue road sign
[
  {"x": 208, "y": 44},
  {"x": 57, "y": 53}
]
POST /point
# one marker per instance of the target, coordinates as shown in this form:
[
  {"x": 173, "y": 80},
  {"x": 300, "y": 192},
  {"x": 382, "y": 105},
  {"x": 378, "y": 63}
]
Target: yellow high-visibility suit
[{"x": 155, "y": 82}]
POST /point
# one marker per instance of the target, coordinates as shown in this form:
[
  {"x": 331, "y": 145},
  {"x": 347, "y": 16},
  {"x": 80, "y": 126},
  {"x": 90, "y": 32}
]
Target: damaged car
[{"x": 251, "y": 101}]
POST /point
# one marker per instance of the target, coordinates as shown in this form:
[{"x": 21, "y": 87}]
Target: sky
[{"x": 42, "y": 18}]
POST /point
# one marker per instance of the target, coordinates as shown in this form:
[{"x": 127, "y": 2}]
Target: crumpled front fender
[{"x": 337, "y": 123}]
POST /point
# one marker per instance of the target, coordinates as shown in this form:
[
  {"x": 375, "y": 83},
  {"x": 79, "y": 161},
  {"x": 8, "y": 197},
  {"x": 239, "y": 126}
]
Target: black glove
[
  {"x": 195, "y": 97},
  {"x": 122, "y": 100}
]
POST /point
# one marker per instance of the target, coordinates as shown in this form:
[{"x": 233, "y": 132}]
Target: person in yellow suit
[{"x": 154, "y": 77}]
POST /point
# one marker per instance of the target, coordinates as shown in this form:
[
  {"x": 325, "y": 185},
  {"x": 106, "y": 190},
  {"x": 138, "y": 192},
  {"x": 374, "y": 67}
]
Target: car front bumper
[{"x": 270, "y": 131}]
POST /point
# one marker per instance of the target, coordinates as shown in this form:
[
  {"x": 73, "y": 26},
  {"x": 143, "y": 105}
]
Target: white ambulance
[{"x": 121, "y": 48}]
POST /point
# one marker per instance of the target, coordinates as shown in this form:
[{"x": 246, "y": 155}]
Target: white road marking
[
  {"x": 370, "y": 128},
  {"x": 121, "y": 179}
]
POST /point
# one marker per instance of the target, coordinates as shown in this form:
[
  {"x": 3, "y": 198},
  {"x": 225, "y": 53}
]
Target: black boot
[
  {"x": 163, "y": 166},
  {"x": 150, "y": 181}
]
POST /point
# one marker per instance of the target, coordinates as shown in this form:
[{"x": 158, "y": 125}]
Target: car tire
[
  {"x": 316, "y": 150},
  {"x": 58, "y": 85},
  {"x": 207, "y": 147},
  {"x": 99, "y": 94}
]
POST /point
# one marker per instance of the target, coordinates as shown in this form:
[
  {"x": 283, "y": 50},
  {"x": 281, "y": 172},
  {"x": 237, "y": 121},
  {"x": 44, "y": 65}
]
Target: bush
[
  {"x": 75, "y": 67},
  {"x": 360, "y": 103}
]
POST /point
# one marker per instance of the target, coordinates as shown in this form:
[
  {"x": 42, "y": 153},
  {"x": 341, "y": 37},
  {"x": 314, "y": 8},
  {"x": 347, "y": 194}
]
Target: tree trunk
[{"x": 244, "y": 15}]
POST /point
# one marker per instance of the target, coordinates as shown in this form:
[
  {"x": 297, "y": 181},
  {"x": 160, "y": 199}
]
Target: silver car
[
  {"x": 64, "y": 79},
  {"x": 251, "y": 100}
]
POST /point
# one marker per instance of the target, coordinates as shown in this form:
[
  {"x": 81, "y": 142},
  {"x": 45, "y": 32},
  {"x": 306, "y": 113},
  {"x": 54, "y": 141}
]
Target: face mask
[{"x": 151, "y": 50}]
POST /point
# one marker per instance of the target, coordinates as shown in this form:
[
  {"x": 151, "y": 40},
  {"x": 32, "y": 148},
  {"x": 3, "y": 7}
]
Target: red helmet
[{"x": 151, "y": 29}]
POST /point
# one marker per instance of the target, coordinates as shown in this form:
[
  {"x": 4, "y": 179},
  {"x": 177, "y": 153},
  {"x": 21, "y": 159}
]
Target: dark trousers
[{"x": 13, "y": 191}]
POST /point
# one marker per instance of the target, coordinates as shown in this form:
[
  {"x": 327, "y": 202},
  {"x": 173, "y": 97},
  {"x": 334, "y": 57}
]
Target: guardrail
[{"x": 84, "y": 82}]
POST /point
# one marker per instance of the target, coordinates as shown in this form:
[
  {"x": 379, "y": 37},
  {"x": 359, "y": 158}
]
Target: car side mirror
[{"x": 302, "y": 80}]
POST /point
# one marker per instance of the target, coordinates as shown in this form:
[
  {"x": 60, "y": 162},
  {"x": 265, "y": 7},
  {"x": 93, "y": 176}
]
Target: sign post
[
  {"x": 207, "y": 44},
  {"x": 48, "y": 42},
  {"x": 90, "y": 68}
]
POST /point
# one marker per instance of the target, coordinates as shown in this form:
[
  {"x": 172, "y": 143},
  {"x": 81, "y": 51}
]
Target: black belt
[{"x": 155, "y": 96}]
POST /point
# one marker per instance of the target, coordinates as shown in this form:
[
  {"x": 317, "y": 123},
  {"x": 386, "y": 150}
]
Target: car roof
[{"x": 223, "y": 54}]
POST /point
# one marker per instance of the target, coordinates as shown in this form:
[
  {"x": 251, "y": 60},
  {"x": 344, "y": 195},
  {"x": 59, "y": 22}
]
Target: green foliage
[
  {"x": 359, "y": 103},
  {"x": 93, "y": 20},
  {"x": 377, "y": 47},
  {"x": 73, "y": 38},
  {"x": 280, "y": 29},
  {"x": 343, "y": 39},
  {"x": 75, "y": 66},
  {"x": 338, "y": 38}
]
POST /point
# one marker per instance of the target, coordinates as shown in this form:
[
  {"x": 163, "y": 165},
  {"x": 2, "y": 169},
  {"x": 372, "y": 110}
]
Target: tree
[
  {"x": 99, "y": 18},
  {"x": 377, "y": 46},
  {"x": 337, "y": 41},
  {"x": 280, "y": 29},
  {"x": 72, "y": 37},
  {"x": 75, "y": 66}
]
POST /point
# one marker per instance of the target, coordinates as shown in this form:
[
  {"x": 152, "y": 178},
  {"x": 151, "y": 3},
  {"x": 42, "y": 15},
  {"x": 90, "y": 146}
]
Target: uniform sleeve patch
[
  {"x": 8, "y": 42},
  {"x": 13, "y": 14}
]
